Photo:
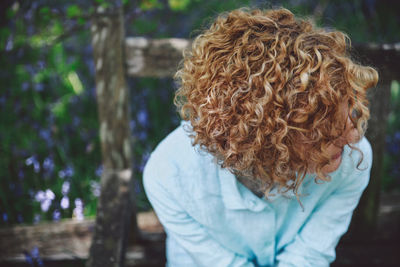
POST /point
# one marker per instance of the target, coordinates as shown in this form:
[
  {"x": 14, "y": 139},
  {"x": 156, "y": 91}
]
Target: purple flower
[
  {"x": 33, "y": 161},
  {"x": 2, "y": 100},
  {"x": 49, "y": 194},
  {"x": 78, "y": 203},
  {"x": 45, "y": 134},
  {"x": 9, "y": 44},
  {"x": 25, "y": 86},
  {"x": 40, "y": 196},
  {"x": 30, "y": 160},
  {"x": 78, "y": 210},
  {"x": 30, "y": 69},
  {"x": 45, "y": 199},
  {"x": 41, "y": 64},
  {"x": 142, "y": 135},
  {"x": 69, "y": 171},
  {"x": 28, "y": 258},
  {"x": 29, "y": 14},
  {"x": 48, "y": 164},
  {"x": 36, "y": 218},
  {"x": 99, "y": 171},
  {"x": 137, "y": 187},
  {"x": 397, "y": 136},
  {"x": 5, "y": 217},
  {"x": 56, "y": 215},
  {"x": 65, "y": 188},
  {"x": 20, "y": 219},
  {"x": 95, "y": 186},
  {"x": 36, "y": 257},
  {"x": 45, "y": 205},
  {"x": 145, "y": 158},
  {"x": 64, "y": 203},
  {"x": 36, "y": 167},
  {"x": 35, "y": 252},
  {"x": 143, "y": 117},
  {"x": 39, "y": 87},
  {"x": 21, "y": 174},
  {"x": 61, "y": 174}
]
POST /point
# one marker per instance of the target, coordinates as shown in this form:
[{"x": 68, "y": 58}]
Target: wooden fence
[{"x": 115, "y": 57}]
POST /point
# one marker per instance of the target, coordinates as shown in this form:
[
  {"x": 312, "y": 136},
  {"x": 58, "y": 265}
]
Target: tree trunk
[{"x": 115, "y": 203}]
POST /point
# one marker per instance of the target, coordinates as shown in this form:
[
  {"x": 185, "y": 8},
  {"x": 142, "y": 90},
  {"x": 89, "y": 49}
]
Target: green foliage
[
  {"x": 149, "y": 4},
  {"x": 74, "y": 11},
  {"x": 178, "y": 5},
  {"x": 144, "y": 27},
  {"x": 48, "y": 113}
]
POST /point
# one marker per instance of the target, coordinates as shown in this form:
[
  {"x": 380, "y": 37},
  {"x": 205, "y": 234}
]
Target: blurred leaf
[
  {"x": 81, "y": 21},
  {"x": 57, "y": 28},
  {"x": 45, "y": 15},
  {"x": 395, "y": 90},
  {"x": 40, "y": 77},
  {"x": 4, "y": 34},
  {"x": 11, "y": 13},
  {"x": 59, "y": 109},
  {"x": 149, "y": 4},
  {"x": 73, "y": 11},
  {"x": 44, "y": 11},
  {"x": 38, "y": 102},
  {"x": 75, "y": 82},
  {"x": 178, "y": 5},
  {"x": 143, "y": 26}
]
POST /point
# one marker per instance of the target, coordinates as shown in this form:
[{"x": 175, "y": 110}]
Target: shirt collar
[{"x": 236, "y": 196}]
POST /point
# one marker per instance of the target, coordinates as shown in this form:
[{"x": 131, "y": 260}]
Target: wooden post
[
  {"x": 365, "y": 219},
  {"x": 384, "y": 58},
  {"x": 115, "y": 205}
]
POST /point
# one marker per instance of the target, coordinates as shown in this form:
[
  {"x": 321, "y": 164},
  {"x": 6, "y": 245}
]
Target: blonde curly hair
[{"x": 259, "y": 84}]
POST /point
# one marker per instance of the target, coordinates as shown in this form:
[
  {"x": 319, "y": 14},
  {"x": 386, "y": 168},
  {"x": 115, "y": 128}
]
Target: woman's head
[{"x": 268, "y": 94}]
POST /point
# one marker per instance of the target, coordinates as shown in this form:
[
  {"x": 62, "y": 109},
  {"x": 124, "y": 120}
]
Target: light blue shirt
[{"x": 211, "y": 219}]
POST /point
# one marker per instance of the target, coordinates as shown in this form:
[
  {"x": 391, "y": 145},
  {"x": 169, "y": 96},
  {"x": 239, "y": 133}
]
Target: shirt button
[{"x": 252, "y": 203}]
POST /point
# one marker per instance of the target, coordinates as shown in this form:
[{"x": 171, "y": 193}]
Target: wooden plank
[
  {"x": 160, "y": 57},
  {"x": 154, "y": 57},
  {"x": 65, "y": 240}
]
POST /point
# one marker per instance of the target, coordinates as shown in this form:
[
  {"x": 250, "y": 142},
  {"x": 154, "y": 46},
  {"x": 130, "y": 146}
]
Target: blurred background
[{"x": 50, "y": 158}]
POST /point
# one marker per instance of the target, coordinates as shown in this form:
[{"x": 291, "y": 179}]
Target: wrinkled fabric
[{"x": 211, "y": 219}]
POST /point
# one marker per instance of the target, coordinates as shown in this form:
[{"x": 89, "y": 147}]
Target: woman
[{"x": 271, "y": 160}]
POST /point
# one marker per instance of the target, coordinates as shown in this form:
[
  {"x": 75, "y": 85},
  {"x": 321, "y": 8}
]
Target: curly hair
[{"x": 260, "y": 85}]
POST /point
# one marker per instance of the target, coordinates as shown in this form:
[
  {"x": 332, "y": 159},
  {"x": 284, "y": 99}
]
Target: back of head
[{"x": 264, "y": 93}]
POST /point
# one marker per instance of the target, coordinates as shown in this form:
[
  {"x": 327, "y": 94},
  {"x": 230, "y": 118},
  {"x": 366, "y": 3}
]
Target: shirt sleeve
[
  {"x": 179, "y": 225},
  {"x": 314, "y": 245}
]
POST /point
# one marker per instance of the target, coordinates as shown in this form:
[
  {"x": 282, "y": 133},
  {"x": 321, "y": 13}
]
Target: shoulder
[
  {"x": 177, "y": 166},
  {"x": 359, "y": 157},
  {"x": 356, "y": 165}
]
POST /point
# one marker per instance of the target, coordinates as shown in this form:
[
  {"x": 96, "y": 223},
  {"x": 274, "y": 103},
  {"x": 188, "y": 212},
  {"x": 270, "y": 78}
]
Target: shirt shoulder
[
  {"x": 356, "y": 166},
  {"x": 359, "y": 157},
  {"x": 179, "y": 167}
]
